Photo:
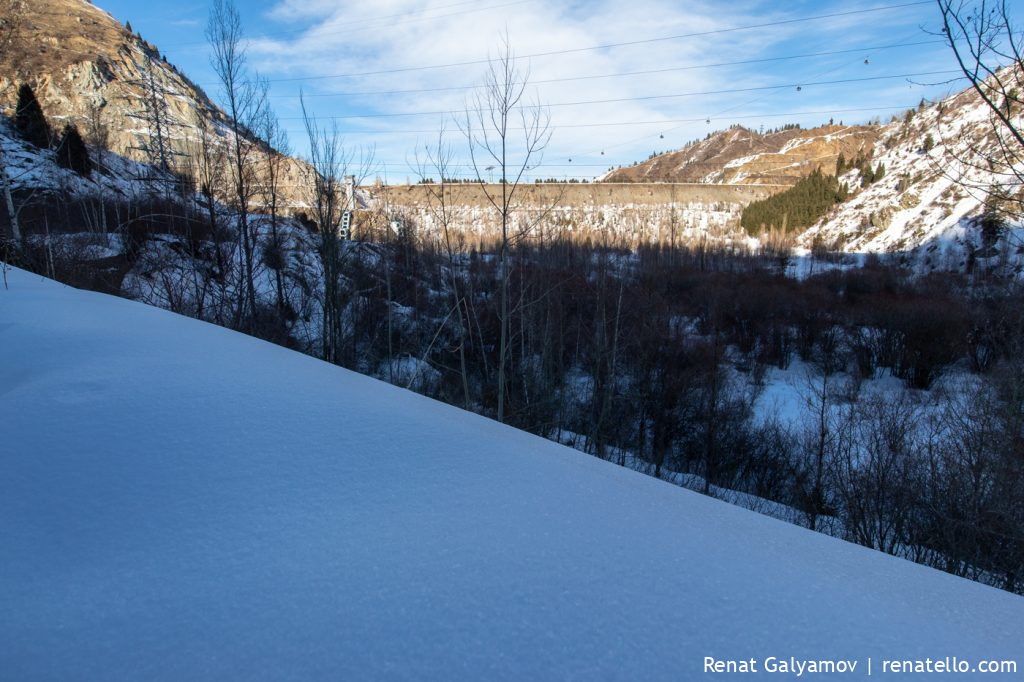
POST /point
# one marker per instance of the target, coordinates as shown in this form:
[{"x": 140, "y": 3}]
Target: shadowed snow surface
[{"x": 182, "y": 502}]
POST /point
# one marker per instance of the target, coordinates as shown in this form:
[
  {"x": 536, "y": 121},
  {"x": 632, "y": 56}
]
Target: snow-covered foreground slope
[{"x": 181, "y": 502}]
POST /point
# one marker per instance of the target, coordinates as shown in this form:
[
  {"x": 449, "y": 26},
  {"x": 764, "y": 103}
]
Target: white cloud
[{"x": 394, "y": 34}]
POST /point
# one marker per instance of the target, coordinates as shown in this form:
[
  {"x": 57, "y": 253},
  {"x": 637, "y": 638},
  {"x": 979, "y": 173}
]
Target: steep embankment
[
  {"x": 180, "y": 501},
  {"x": 629, "y": 213}
]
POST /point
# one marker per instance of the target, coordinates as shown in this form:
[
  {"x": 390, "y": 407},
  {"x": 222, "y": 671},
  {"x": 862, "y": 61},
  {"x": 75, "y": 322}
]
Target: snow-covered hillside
[
  {"x": 933, "y": 191},
  {"x": 114, "y": 177},
  {"x": 179, "y": 501}
]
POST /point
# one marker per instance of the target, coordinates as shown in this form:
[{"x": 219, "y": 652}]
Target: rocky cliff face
[
  {"x": 624, "y": 214},
  {"x": 88, "y": 69}
]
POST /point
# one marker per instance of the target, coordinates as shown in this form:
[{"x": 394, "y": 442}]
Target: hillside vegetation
[{"x": 797, "y": 208}]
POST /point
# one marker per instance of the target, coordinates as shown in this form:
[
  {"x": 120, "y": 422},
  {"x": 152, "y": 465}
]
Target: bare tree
[
  {"x": 507, "y": 134},
  {"x": 330, "y": 162},
  {"x": 275, "y": 150},
  {"x": 12, "y": 211},
  {"x": 989, "y": 49},
  {"x": 12, "y": 14},
  {"x": 823, "y": 439},
  {"x": 326, "y": 159},
  {"x": 207, "y": 157},
  {"x": 877, "y": 478},
  {"x": 442, "y": 203},
  {"x": 97, "y": 131},
  {"x": 604, "y": 372},
  {"x": 242, "y": 105}
]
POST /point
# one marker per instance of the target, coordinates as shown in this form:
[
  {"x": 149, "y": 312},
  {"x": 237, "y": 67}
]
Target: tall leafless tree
[
  {"x": 329, "y": 163},
  {"x": 242, "y": 104},
  {"x": 823, "y": 439},
  {"x": 275, "y": 150},
  {"x": 206, "y": 157},
  {"x": 506, "y": 133},
  {"x": 97, "y": 131},
  {"x": 989, "y": 49},
  {"x": 442, "y": 201},
  {"x": 12, "y": 14}
]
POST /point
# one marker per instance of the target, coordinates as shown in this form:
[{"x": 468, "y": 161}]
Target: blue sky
[{"x": 852, "y": 68}]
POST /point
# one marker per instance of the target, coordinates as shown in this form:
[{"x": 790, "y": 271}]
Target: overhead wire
[
  {"x": 654, "y": 122},
  {"x": 672, "y": 69},
  {"x": 607, "y": 46},
  {"x": 638, "y": 98},
  {"x": 717, "y": 114},
  {"x": 768, "y": 89}
]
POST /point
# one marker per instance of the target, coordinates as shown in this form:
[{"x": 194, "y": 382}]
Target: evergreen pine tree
[
  {"x": 72, "y": 152},
  {"x": 29, "y": 119},
  {"x": 841, "y": 164},
  {"x": 867, "y": 172},
  {"x": 992, "y": 221},
  {"x": 798, "y": 207}
]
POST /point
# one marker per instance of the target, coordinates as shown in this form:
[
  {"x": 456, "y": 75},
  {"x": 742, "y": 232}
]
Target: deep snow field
[{"x": 182, "y": 502}]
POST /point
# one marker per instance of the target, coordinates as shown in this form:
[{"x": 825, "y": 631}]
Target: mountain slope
[
  {"x": 81, "y": 61},
  {"x": 32, "y": 170},
  {"x": 184, "y": 502},
  {"x": 742, "y": 156},
  {"x": 934, "y": 189},
  {"x": 88, "y": 69}
]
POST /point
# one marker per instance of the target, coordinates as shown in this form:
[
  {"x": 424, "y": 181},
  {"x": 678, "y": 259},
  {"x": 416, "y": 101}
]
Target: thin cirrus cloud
[{"x": 319, "y": 47}]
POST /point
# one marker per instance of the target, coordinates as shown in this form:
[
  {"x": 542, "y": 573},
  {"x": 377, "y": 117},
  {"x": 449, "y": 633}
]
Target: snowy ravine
[{"x": 182, "y": 502}]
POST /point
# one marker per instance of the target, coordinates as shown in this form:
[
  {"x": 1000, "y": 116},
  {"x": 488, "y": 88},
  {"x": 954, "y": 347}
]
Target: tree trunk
[{"x": 12, "y": 214}]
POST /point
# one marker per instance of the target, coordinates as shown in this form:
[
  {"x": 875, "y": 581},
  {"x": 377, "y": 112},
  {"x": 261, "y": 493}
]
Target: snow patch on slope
[
  {"x": 926, "y": 205},
  {"x": 180, "y": 501}
]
